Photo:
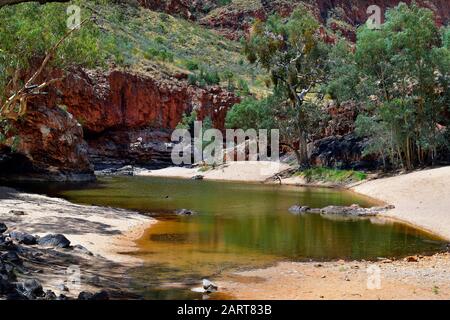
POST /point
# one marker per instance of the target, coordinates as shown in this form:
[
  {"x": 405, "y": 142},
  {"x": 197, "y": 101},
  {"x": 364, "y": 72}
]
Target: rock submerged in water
[
  {"x": 185, "y": 212},
  {"x": 54, "y": 240},
  {"x": 198, "y": 177},
  {"x": 12, "y": 251},
  {"x": 353, "y": 210}
]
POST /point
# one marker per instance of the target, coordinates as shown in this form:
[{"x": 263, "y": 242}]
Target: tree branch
[{"x": 29, "y": 88}]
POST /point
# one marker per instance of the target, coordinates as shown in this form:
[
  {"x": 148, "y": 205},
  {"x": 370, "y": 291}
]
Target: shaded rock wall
[
  {"x": 342, "y": 152},
  {"x": 47, "y": 144}
]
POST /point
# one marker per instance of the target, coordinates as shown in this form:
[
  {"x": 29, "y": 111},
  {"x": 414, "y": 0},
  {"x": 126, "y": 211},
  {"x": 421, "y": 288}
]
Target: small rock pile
[{"x": 13, "y": 246}]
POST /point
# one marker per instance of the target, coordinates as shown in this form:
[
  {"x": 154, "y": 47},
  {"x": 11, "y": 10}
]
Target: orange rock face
[
  {"x": 47, "y": 144},
  {"x": 121, "y": 100},
  {"x": 128, "y": 117}
]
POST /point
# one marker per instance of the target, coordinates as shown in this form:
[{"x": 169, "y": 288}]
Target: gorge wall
[{"x": 128, "y": 117}]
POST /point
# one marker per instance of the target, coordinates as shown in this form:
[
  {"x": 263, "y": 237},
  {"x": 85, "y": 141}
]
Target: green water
[{"x": 240, "y": 226}]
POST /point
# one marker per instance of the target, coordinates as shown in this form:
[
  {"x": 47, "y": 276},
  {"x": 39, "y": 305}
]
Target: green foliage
[
  {"x": 187, "y": 122},
  {"x": 29, "y": 30},
  {"x": 191, "y": 65},
  {"x": 401, "y": 72},
  {"x": 320, "y": 174},
  {"x": 293, "y": 51},
  {"x": 162, "y": 55},
  {"x": 342, "y": 62},
  {"x": 251, "y": 114},
  {"x": 205, "y": 76}
]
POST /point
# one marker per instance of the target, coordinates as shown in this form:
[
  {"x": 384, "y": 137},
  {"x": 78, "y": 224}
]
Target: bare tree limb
[{"x": 30, "y": 89}]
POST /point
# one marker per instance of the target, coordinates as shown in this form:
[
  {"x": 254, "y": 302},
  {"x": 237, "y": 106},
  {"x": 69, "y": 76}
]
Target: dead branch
[{"x": 30, "y": 89}]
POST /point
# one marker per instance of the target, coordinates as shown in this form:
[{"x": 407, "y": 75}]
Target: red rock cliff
[
  {"x": 121, "y": 100},
  {"x": 128, "y": 117}
]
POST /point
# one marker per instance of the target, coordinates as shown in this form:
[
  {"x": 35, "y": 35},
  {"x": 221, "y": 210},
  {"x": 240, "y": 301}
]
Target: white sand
[
  {"x": 103, "y": 231},
  {"x": 420, "y": 198},
  {"x": 251, "y": 171}
]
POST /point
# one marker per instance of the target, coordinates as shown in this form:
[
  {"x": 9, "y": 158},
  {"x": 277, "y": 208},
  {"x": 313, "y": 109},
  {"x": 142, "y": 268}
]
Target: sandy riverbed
[
  {"x": 427, "y": 278},
  {"x": 108, "y": 233},
  {"x": 420, "y": 198}
]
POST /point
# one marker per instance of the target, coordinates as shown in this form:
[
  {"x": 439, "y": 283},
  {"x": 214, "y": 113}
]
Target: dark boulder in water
[{"x": 185, "y": 212}]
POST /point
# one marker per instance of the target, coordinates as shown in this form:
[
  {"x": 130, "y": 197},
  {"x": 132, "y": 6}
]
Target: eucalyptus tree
[
  {"x": 294, "y": 53},
  {"x": 405, "y": 68}
]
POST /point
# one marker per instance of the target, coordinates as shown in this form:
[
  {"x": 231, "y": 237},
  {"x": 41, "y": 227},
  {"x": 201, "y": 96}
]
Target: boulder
[
  {"x": 84, "y": 295},
  {"x": 17, "y": 212},
  {"x": 299, "y": 209},
  {"x": 198, "y": 177},
  {"x": 23, "y": 237},
  {"x": 82, "y": 249},
  {"x": 353, "y": 210},
  {"x": 31, "y": 288},
  {"x": 54, "y": 240},
  {"x": 11, "y": 257},
  {"x": 3, "y": 227},
  {"x": 5, "y": 286},
  {"x": 51, "y": 146},
  {"x": 101, "y": 295},
  {"x": 209, "y": 286},
  {"x": 49, "y": 295}
]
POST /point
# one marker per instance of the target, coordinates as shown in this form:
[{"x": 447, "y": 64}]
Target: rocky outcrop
[
  {"x": 353, "y": 210},
  {"x": 341, "y": 119},
  {"x": 109, "y": 119},
  {"x": 234, "y": 20},
  {"x": 47, "y": 144},
  {"x": 122, "y": 99},
  {"x": 17, "y": 266},
  {"x": 342, "y": 152}
]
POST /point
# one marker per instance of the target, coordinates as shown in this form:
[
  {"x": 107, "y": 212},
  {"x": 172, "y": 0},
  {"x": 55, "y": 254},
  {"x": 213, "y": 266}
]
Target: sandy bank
[
  {"x": 420, "y": 198},
  {"x": 106, "y": 232},
  {"x": 251, "y": 171},
  {"x": 428, "y": 278}
]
